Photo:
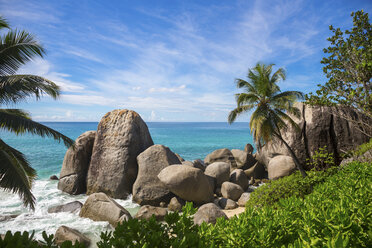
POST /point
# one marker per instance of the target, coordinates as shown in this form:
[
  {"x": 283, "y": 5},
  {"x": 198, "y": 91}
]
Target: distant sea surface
[{"x": 192, "y": 140}]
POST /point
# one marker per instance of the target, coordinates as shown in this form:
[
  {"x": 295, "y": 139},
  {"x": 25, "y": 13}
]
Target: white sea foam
[{"x": 47, "y": 195}]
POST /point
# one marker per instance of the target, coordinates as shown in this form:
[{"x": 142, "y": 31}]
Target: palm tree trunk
[{"x": 293, "y": 155}]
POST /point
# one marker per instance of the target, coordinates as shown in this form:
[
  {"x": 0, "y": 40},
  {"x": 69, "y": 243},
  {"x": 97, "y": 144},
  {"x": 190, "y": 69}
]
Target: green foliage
[
  {"x": 178, "y": 230},
  {"x": 26, "y": 240},
  {"x": 16, "y": 49},
  {"x": 292, "y": 185},
  {"x": 334, "y": 210},
  {"x": 348, "y": 67},
  {"x": 270, "y": 106},
  {"x": 321, "y": 160},
  {"x": 338, "y": 213},
  {"x": 363, "y": 148}
]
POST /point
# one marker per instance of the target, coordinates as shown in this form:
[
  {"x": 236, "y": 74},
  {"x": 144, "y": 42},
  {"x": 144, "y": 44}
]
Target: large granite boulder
[
  {"x": 147, "y": 189},
  {"x": 208, "y": 213},
  {"x": 121, "y": 136},
  {"x": 188, "y": 183},
  {"x": 231, "y": 191},
  {"x": 238, "y": 177},
  {"x": 218, "y": 170},
  {"x": 71, "y": 207},
  {"x": 100, "y": 207},
  {"x": 147, "y": 211},
  {"x": 244, "y": 160},
  {"x": 319, "y": 127},
  {"x": 221, "y": 155},
  {"x": 280, "y": 166},
  {"x": 65, "y": 233},
  {"x": 76, "y": 163}
]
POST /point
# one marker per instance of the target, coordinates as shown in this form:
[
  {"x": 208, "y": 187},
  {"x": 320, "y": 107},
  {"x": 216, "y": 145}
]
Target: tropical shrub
[
  {"x": 292, "y": 185},
  {"x": 321, "y": 160}
]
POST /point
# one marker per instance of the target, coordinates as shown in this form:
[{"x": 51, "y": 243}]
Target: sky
[{"x": 173, "y": 61}]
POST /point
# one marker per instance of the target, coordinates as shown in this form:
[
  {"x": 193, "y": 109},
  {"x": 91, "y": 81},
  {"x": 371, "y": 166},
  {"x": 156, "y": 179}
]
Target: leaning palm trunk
[{"x": 293, "y": 155}]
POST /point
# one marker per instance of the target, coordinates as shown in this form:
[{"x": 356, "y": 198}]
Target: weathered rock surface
[
  {"x": 208, "y": 213},
  {"x": 147, "y": 211},
  {"x": 198, "y": 163},
  {"x": 231, "y": 191},
  {"x": 243, "y": 199},
  {"x": 248, "y": 148},
  {"x": 188, "y": 183},
  {"x": 100, "y": 207},
  {"x": 238, "y": 177},
  {"x": 280, "y": 166},
  {"x": 121, "y": 136},
  {"x": 147, "y": 189},
  {"x": 244, "y": 160},
  {"x": 53, "y": 177},
  {"x": 65, "y": 233},
  {"x": 179, "y": 157},
  {"x": 72, "y": 207},
  {"x": 218, "y": 170},
  {"x": 176, "y": 204},
  {"x": 257, "y": 171},
  {"x": 366, "y": 157},
  {"x": 227, "y": 203},
  {"x": 76, "y": 164},
  {"x": 320, "y": 126},
  {"x": 221, "y": 155}
]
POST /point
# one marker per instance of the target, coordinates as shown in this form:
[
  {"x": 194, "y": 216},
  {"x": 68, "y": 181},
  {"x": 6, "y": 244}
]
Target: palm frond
[
  {"x": 246, "y": 98},
  {"x": 280, "y": 74},
  {"x": 16, "y": 175},
  {"x": 240, "y": 83},
  {"x": 17, "y": 48},
  {"x": 17, "y": 87},
  {"x": 17, "y": 121},
  {"x": 287, "y": 118},
  {"x": 237, "y": 111},
  {"x": 3, "y": 23},
  {"x": 288, "y": 95}
]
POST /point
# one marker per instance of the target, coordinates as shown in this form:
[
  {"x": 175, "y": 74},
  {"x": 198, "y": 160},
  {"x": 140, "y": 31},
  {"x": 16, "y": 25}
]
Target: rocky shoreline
[{"x": 120, "y": 159}]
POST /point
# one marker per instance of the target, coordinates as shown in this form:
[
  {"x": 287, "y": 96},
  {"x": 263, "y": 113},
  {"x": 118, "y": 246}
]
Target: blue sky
[{"x": 170, "y": 60}]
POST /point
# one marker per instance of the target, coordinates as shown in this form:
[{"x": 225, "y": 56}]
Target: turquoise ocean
[{"x": 192, "y": 140}]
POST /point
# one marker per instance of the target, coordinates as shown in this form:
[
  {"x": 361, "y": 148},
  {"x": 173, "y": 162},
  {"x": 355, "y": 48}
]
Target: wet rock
[
  {"x": 65, "y": 233},
  {"x": 72, "y": 207},
  {"x": 54, "y": 177}
]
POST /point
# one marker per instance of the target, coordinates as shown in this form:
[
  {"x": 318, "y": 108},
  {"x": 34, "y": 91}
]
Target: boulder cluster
[{"x": 120, "y": 159}]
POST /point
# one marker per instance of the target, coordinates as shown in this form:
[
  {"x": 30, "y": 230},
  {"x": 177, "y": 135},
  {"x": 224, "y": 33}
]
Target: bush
[
  {"x": 363, "y": 148},
  {"x": 292, "y": 185},
  {"x": 321, "y": 160},
  {"x": 338, "y": 213}
]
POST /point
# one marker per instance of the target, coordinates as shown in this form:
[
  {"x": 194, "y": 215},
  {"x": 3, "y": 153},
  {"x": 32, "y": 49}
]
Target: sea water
[{"x": 192, "y": 140}]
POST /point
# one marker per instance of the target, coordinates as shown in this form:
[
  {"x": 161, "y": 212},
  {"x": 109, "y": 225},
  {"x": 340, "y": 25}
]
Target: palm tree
[
  {"x": 270, "y": 105},
  {"x": 17, "y": 48}
]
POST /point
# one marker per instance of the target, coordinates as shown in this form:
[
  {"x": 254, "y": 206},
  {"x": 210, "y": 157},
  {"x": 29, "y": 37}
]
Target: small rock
[
  {"x": 243, "y": 199},
  {"x": 227, "y": 203},
  {"x": 162, "y": 204},
  {"x": 7, "y": 217},
  {"x": 72, "y": 207},
  {"x": 231, "y": 191},
  {"x": 65, "y": 233},
  {"x": 208, "y": 213},
  {"x": 176, "y": 204},
  {"x": 147, "y": 211},
  {"x": 54, "y": 177},
  {"x": 251, "y": 182}
]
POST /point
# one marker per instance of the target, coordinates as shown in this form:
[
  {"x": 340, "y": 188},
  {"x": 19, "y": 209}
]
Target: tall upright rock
[
  {"x": 121, "y": 136},
  {"x": 76, "y": 163},
  {"x": 319, "y": 127}
]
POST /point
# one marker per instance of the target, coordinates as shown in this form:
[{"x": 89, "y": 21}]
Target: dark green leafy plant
[
  {"x": 321, "y": 160},
  {"x": 26, "y": 240},
  {"x": 348, "y": 68}
]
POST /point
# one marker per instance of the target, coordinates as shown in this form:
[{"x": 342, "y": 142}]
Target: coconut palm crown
[
  {"x": 17, "y": 48},
  {"x": 270, "y": 106}
]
